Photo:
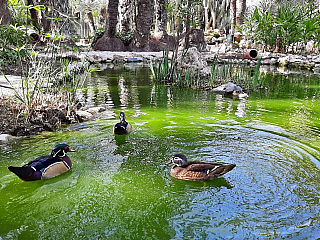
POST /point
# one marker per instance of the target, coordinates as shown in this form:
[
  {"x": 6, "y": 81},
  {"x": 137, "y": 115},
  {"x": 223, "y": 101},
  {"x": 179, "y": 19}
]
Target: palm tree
[
  {"x": 143, "y": 22},
  {"x": 108, "y": 42},
  {"x": 241, "y": 11},
  {"x": 4, "y": 12},
  {"x": 161, "y": 16},
  {"x": 125, "y": 18}
]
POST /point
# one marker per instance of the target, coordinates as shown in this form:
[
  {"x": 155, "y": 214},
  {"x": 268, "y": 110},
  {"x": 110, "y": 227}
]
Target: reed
[{"x": 167, "y": 71}]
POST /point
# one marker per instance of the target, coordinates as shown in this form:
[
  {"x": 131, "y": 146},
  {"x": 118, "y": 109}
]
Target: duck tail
[
  {"x": 25, "y": 173},
  {"x": 227, "y": 168}
]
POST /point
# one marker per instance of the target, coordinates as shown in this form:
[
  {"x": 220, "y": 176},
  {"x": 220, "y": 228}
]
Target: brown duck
[{"x": 197, "y": 171}]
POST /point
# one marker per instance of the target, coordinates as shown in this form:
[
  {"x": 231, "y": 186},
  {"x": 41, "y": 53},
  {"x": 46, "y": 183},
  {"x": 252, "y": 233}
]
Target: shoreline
[{"x": 269, "y": 62}]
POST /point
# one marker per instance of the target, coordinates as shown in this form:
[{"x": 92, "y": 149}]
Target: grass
[
  {"x": 47, "y": 89},
  {"x": 167, "y": 71}
]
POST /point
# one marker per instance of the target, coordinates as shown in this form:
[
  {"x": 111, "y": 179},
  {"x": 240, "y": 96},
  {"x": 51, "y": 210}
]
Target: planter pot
[{"x": 252, "y": 54}]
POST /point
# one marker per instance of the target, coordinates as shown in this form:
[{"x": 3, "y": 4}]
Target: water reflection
[{"x": 119, "y": 187}]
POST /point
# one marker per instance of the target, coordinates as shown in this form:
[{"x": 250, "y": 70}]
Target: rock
[
  {"x": 227, "y": 88},
  {"x": 118, "y": 59},
  {"x": 193, "y": 58},
  {"x": 273, "y": 61},
  {"x": 5, "y": 137},
  {"x": 310, "y": 46},
  {"x": 316, "y": 68},
  {"x": 84, "y": 115},
  {"x": 266, "y": 62},
  {"x": 95, "y": 110},
  {"x": 316, "y": 60},
  {"x": 283, "y": 61}
]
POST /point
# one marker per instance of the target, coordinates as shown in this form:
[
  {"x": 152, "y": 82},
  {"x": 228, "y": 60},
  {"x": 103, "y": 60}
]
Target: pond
[{"x": 120, "y": 188}]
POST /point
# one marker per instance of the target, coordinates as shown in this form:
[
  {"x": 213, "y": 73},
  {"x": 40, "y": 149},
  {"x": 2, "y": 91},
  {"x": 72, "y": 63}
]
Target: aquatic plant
[
  {"x": 291, "y": 25},
  {"x": 167, "y": 71}
]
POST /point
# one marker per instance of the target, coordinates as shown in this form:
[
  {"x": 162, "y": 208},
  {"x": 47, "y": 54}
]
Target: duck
[
  {"x": 195, "y": 170},
  {"x": 45, "y": 167},
  {"x": 123, "y": 126}
]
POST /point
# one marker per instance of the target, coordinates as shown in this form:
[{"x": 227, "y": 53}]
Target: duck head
[
  {"x": 122, "y": 117},
  {"x": 60, "y": 150},
  {"x": 179, "y": 160}
]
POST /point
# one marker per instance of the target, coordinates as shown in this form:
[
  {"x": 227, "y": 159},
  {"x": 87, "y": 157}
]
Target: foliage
[
  {"x": 12, "y": 44},
  {"x": 167, "y": 71},
  {"x": 126, "y": 38},
  {"x": 291, "y": 24},
  {"x": 18, "y": 12}
]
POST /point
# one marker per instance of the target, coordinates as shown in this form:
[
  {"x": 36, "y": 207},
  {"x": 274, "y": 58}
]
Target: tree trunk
[
  {"x": 214, "y": 14},
  {"x": 143, "y": 25},
  {"x": 112, "y": 18},
  {"x": 45, "y": 22},
  {"x": 161, "y": 16},
  {"x": 234, "y": 15},
  {"x": 91, "y": 22},
  {"x": 4, "y": 12},
  {"x": 206, "y": 15},
  {"x": 33, "y": 14},
  {"x": 242, "y": 4},
  {"x": 125, "y": 19},
  {"x": 108, "y": 42},
  {"x": 187, "y": 37},
  {"x": 103, "y": 16}
]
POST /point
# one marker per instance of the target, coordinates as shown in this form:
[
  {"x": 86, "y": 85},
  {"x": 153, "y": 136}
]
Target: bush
[{"x": 12, "y": 42}]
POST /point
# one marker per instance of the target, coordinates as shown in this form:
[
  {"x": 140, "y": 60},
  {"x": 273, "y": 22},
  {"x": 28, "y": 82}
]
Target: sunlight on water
[{"x": 120, "y": 188}]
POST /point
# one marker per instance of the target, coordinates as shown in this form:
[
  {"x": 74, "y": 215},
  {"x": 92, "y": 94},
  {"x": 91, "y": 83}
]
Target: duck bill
[
  {"x": 71, "y": 150},
  {"x": 169, "y": 162}
]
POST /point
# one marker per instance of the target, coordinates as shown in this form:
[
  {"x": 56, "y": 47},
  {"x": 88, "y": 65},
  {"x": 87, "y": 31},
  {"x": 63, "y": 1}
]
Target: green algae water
[{"x": 120, "y": 188}]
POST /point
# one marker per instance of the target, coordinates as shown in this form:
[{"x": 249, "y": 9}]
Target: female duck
[
  {"x": 122, "y": 127},
  {"x": 197, "y": 171},
  {"x": 45, "y": 167}
]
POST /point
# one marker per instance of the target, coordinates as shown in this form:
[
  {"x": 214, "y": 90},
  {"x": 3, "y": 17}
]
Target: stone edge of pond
[{"x": 309, "y": 62}]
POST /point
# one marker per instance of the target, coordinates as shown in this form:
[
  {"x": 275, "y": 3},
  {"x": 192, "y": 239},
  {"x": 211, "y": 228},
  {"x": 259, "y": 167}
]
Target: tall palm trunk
[
  {"x": 33, "y": 14},
  {"x": 108, "y": 42},
  {"x": 4, "y": 12},
  {"x": 112, "y": 18},
  {"x": 125, "y": 18},
  {"x": 161, "y": 16},
  {"x": 143, "y": 25},
  {"x": 234, "y": 15},
  {"x": 91, "y": 22},
  {"x": 242, "y": 4}
]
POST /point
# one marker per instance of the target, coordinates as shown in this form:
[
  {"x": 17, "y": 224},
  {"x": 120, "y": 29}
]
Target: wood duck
[
  {"x": 195, "y": 170},
  {"x": 45, "y": 167},
  {"x": 122, "y": 127}
]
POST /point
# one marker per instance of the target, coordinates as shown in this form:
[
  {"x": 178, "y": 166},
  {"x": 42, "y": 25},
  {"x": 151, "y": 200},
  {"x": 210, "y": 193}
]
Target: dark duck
[
  {"x": 45, "y": 167},
  {"x": 123, "y": 126},
  {"x": 195, "y": 170}
]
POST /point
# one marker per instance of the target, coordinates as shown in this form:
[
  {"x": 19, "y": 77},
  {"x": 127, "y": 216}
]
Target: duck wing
[
  {"x": 206, "y": 171},
  {"x": 120, "y": 128},
  {"x": 38, "y": 159},
  {"x": 25, "y": 173},
  {"x": 41, "y": 163},
  {"x": 202, "y": 166}
]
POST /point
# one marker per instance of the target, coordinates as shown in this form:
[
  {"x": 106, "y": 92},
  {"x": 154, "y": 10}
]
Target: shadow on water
[{"x": 184, "y": 185}]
